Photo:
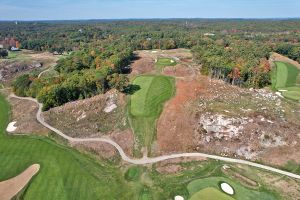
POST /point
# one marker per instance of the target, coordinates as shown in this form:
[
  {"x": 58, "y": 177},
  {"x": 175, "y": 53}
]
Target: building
[{"x": 8, "y": 43}]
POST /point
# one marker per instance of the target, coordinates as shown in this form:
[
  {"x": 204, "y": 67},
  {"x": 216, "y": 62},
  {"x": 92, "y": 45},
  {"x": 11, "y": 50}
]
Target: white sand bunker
[
  {"x": 227, "y": 188},
  {"x": 172, "y": 61},
  {"x": 11, "y": 187},
  {"x": 178, "y": 198},
  {"x": 11, "y": 127}
]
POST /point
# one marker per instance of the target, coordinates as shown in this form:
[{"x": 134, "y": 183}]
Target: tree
[{"x": 3, "y": 53}]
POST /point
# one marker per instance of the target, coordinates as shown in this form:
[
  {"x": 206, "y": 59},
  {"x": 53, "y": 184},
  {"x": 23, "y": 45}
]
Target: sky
[{"x": 125, "y": 9}]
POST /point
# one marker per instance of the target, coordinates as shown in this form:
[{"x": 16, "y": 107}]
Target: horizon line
[{"x": 155, "y": 18}]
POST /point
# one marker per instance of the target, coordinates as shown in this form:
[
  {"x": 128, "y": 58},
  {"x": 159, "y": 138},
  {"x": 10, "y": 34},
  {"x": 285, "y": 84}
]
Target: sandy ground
[
  {"x": 23, "y": 112},
  {"x": 11, "y": 187}
]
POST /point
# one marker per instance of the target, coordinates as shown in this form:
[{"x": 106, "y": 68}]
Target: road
[{"x": 146, "y": 160}]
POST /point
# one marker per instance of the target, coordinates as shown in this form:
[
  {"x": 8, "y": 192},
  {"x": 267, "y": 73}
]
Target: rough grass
[
  {"x": 133, "y": 173},
  {"x": 210, "y": 193},
  {"x": 65, "y": 173},
  {"x": 286, "y": 77},
  {"x": 147, "y": 103},
  {"x": 241, "y": 193}
]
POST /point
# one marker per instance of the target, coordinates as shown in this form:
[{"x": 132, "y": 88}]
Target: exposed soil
[
  {"x": 175, "y": 125},
  {"x": 24, "y": 113},
  {"x": 11, "y": 187},
  {"x": 95, "y": 117},
  {"x": 25, "y": 61},
  {"x": 143, "y": 64},
  {"x": 214, "y": 117},
  {"x": 90, "y": 117}
]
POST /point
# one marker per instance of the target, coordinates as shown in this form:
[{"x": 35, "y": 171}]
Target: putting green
[
  {"x": 165, "y": 62},
  {"x": 211, "y": 194},
  {"x": 241, "y": 193},
  {"x": 147, "y": 104}
]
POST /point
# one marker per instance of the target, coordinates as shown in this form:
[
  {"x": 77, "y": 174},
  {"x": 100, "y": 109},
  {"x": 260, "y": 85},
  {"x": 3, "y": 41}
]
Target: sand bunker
[
  {"x": 11, "y": 127},
  {"x": 11, "y": 187},
  {"x": 227, "y": 188},
  {"x": 178, "y": 198}
]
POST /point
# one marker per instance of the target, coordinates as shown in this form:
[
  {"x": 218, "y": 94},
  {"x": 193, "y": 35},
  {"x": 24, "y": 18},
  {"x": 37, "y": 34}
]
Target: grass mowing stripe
[
  {"x": 147, "y": 104},
  {"x": 287, "y": 77}
]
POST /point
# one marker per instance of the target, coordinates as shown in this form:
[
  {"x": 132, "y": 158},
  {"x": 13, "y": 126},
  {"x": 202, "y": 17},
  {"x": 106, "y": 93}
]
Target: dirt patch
[
  {"x": 143, "y": 64},
  {"x": 24, "y": 113},
  {"x": 90, "y": 117},
  {"x": 229, "y": 121},
  {"x": 11, "y": 187},
  {"x": 25, "y": 61},
  {"x": 175, "y": 125}
]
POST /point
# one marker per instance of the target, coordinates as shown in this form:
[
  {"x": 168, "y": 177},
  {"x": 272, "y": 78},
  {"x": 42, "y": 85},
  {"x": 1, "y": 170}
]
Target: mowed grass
[
  {"x": 241, "y": 193},
  {"x": 209, "y": 194},
  {"x": 147, "y": 103},
  {"x": 65, "y": 173},
  {"x": 165, "y": 62},
  {"x": 286, "y": 78}
]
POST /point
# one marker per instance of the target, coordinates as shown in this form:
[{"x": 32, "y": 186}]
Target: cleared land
[
  {"x": 286, "y": 79},
  {"x": 147, "y": 103}
]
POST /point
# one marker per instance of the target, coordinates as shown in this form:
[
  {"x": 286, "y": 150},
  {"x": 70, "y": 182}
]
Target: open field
[
  {"x": 286, "y": 80},
  {"x": 147, "y": 103}
]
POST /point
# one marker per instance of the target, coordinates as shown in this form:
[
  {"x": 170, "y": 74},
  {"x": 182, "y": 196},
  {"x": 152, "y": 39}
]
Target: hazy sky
[{"x": 117, "y": 9}]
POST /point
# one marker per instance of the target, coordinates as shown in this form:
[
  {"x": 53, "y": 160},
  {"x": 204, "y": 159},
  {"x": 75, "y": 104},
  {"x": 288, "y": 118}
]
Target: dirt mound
[{"x": 90, "y": 117}]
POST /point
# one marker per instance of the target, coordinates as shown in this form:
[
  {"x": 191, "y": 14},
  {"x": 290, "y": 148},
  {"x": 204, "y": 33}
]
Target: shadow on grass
[{"x": 131, "y": 89}]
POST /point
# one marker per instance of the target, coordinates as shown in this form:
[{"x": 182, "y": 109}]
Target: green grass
[
  {"x": 241, "y": 193},
  {"x": 286, "y": 77},
  {"x": 133, "y": 173},
  {"x": 17, "y": 55},
  {"x": 65, "y": 173},
  {"x": 147, "y": 103},
  {"x": 210, "y": 194},
  {"x": 164, "y": 62},
  {"x": 293, "y": 95}
]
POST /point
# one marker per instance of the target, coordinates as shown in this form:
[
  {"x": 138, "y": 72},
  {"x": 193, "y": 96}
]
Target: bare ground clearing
[
  {"x": 25, "y": 61},
  {"x": 23, "y": 112},
  {"x": 11, "y": 187},
  {"x": 102, "y": 115},
  {"x": 213, "y": 117}
]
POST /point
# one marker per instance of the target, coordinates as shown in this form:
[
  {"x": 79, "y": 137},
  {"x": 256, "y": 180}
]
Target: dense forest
[{"x": 235, "y": 51}]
